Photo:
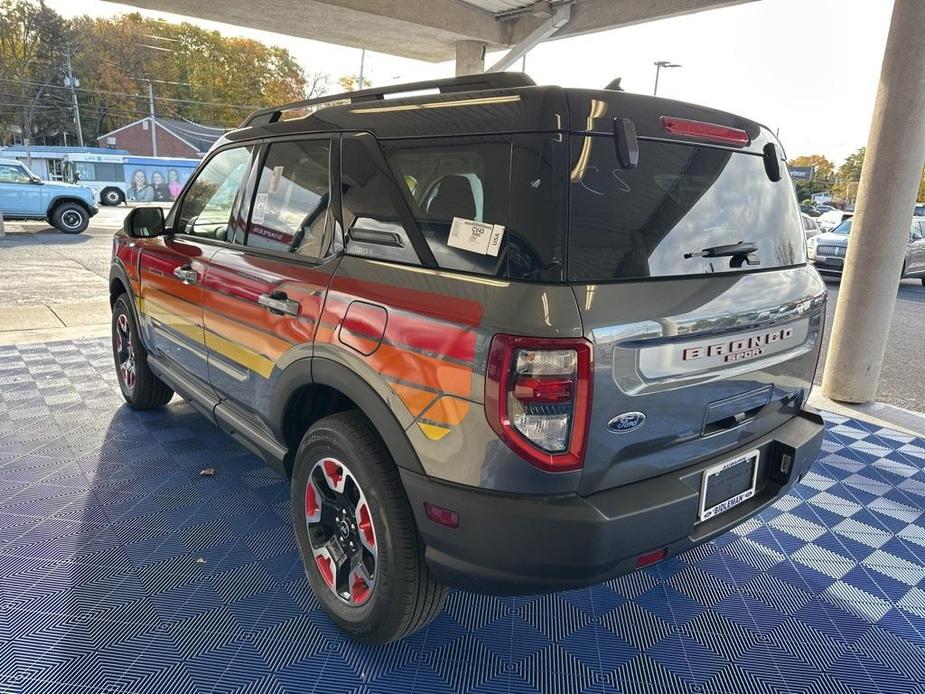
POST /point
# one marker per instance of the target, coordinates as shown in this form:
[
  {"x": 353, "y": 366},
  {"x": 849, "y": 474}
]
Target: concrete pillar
[
  {"x": 470, "y": 57},
  {"x": 889, "y": 183}
]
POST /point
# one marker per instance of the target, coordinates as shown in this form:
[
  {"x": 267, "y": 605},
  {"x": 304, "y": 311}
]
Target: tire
[
  {"x": 111, "y": 197},
  {"x": 403, "y": 596},
  {"x": 70, "y": 218},
  {"x": 141, "y": 389}
]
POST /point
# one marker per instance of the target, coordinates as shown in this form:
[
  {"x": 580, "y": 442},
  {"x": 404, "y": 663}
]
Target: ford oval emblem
[{"x": 628, "y": 421}]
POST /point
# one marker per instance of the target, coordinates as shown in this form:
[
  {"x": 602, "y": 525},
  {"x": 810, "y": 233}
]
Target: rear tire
[
  {"x": 70, "y": 218},
  {"x": 141, "y": 389},
  {"x": 404, "y": 596},
  {"x": 111, "y": 197}
]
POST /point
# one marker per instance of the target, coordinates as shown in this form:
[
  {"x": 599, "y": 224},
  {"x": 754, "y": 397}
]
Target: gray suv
[{"x": 506, "y": 337}]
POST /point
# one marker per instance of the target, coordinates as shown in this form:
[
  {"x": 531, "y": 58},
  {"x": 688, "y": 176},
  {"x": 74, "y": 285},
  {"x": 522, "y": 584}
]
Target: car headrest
[{"x": 453, "y": 199}]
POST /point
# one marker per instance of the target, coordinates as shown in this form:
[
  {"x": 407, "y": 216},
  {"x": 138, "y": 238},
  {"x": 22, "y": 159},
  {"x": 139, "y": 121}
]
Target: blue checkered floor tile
[{"x": 124, "y": 570}]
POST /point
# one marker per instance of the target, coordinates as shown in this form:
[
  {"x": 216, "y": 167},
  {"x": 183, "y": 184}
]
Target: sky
[{"x": 805, "y": 68}]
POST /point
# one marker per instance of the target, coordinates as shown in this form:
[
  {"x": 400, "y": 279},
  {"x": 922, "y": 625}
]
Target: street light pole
[{"x": 659, "y": 64}]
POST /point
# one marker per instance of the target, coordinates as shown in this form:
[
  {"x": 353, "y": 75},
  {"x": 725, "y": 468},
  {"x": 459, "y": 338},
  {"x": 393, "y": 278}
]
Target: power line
[{"x": 139, "y": 96}]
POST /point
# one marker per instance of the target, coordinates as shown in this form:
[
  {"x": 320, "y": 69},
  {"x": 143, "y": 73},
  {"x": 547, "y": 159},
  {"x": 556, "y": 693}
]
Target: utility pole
[
  {"x": 72, "y": 83},
  {"x": 153, "y": 124},
  {"x": 362, "y": 65}
]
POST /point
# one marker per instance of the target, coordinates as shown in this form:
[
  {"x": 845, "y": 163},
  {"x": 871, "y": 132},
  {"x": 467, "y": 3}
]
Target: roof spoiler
[{"x": 466, "y": 83}]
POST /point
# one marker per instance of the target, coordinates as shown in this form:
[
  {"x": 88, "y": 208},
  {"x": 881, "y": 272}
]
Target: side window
[
  {"x": 487, "y": 204},
  {"x": 13, "y": 174},
  {"x": 464, "y": 178},
  {"x": 373, "y": 226},
  {"x": 206, "y": 206},
  {"x": 291, "y": 211}
]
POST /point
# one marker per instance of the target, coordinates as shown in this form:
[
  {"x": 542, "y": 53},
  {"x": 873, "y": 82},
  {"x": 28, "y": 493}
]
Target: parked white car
[{"x": 831, "y": 219}]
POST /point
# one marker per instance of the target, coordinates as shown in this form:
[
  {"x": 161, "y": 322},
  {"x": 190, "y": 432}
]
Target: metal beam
[{"x": 560, "y": 17}]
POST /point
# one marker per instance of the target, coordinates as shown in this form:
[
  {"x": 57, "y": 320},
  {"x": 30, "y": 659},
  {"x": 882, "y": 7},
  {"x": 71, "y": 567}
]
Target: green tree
[
  {"x": 849, "y": 176},
  {"x": 822, "y": 174}
]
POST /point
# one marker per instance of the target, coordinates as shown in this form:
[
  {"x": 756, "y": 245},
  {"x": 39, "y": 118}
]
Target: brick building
[{"x": 175, "y": 138}]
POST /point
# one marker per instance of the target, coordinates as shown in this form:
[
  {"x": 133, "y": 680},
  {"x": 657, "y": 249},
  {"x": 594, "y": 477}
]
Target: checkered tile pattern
[{"x": 124, "y": 570}]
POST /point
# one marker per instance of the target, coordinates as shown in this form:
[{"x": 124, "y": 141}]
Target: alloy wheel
[
  {"x": 125, "y": 352},
  {"x": 341, "y": 532}
]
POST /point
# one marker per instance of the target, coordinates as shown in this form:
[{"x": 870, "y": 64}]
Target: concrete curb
[{"x": 878, "y": 413}]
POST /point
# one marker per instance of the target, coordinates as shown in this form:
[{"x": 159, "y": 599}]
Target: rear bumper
[{"x": 515, "y": 545}]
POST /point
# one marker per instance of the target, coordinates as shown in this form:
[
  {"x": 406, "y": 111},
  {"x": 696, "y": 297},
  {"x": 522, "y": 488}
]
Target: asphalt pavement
[{"x": 56, "y": 286}]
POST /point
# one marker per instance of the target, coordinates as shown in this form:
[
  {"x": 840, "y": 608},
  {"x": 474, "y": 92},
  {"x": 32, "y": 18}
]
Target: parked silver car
[{"x": 827, "y": 251}]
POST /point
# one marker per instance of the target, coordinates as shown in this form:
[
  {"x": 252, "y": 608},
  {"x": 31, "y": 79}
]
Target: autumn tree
[
  {"x": 822, "y": 173},
  {"x": 33, "y": 41},
  {"x": 195, "y": 74}
]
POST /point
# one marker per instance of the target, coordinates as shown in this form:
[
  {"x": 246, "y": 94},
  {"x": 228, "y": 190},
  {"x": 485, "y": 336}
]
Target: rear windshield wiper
[{"x": 741, "y": 252}]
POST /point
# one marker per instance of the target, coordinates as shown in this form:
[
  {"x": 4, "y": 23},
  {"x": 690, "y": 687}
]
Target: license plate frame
[{"x": 706, "y": 513}]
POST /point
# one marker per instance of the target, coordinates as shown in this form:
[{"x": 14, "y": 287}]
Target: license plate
[{"x": 728, "y": 484}]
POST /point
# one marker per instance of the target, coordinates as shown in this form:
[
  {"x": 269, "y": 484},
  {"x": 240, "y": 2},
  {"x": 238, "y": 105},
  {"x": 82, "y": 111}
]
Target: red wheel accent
[
  {"x": 365, "y": 526},
  {"x": 324, "y": 566},
  {"x": 311, "y": 501},
  {"x": 359, "y": 589},
  {"x": 334, "y": 473}
]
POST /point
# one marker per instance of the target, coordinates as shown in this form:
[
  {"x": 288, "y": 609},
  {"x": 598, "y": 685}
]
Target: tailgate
[
  {"x": 711, "y": 363},
  {"x": 689, "y": 270}
]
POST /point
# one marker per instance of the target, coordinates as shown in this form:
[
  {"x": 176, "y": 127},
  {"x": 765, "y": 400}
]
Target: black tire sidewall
[
  {"x": 61, "y": 210},
  {"x": 370, "y": 469},
  {"x": 105, "y": 197},
  {"x": 119, "y": 307}
]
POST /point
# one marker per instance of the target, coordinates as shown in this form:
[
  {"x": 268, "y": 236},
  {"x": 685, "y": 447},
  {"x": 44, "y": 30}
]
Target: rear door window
[
  {"x": 653, "y": 220},
  {"x": 291, "y": 209}
]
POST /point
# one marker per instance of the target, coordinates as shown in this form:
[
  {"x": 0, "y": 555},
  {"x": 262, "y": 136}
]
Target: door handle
[
  {"x": 278, "y": 303},
  {"x": 186, "y": 274}
]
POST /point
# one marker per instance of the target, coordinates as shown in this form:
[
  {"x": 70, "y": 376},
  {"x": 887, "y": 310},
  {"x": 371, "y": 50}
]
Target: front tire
[
  {"x": 70, "y": 218},
  {"x": 141, "y": 389},
  {"x": 356, "y": 533}
]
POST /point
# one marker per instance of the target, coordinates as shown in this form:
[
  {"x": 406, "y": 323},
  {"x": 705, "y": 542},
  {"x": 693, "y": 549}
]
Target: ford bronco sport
[{"x": 507, "y": 337}]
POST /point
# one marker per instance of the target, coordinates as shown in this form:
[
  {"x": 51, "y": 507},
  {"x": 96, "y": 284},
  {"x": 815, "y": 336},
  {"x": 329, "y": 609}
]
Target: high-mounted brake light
[
  {"x": 704, "y": 131},
  {"x": 538, "y": 398}
]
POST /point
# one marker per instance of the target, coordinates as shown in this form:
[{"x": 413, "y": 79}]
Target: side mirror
[
  {"x": 144, "y": 222},
  {"x": 37, "y": 180}
]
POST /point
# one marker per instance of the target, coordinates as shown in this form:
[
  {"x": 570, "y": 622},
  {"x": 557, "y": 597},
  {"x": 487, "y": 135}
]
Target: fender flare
[{"x": 325, "y": 372}]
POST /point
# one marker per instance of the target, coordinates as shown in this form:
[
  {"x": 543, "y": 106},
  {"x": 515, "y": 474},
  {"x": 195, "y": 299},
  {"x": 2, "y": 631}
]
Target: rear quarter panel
[{"x": 429, "y": 364}]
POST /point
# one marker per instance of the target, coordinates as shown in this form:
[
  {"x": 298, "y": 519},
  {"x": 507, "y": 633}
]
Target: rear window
[{"x": 680, "y": 199}]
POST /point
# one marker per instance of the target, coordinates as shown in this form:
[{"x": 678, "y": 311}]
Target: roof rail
[{"x": 466, "y": 83}]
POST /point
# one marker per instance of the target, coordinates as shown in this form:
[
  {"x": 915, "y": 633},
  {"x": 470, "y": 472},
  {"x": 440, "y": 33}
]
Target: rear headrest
[{"x": 453, "y": 199}]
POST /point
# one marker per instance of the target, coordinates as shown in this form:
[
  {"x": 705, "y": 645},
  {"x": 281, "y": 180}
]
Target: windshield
[
  {"x": 661, "y": 218},
  {"x": 843, "y": 228}
]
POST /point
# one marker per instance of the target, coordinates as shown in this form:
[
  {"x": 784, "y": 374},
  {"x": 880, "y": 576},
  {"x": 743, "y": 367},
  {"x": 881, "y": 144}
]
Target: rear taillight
[
  {"x": 538, "y": 398},
  {"x": 704, "y": 131}
]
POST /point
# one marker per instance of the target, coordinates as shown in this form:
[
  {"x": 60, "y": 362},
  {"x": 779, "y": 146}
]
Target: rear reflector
[
  {"x": 652, "y": 557},
  {"x": 704, "y": 131},
  {"x": 441, "y": 516}
]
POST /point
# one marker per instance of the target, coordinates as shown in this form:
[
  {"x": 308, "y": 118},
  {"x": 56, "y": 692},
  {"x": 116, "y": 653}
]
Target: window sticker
[
  {"x": 260, "y": 208},
  {"x": 475, "y": 237}
]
